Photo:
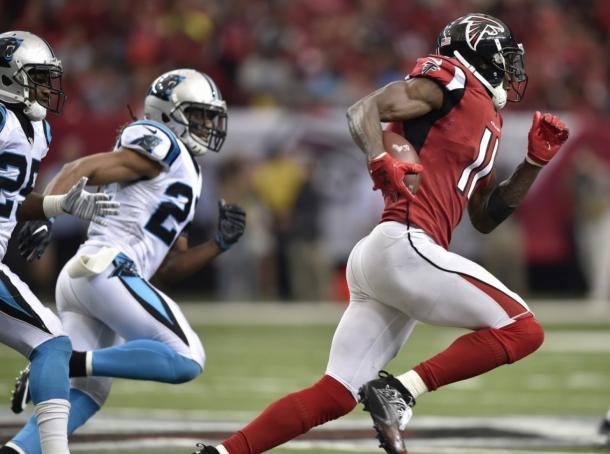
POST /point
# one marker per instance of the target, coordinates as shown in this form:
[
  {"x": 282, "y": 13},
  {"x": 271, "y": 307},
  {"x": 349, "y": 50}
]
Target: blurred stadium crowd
[
  {"x": 319, "y": 56},
  {"x": 304, "y": 53}
]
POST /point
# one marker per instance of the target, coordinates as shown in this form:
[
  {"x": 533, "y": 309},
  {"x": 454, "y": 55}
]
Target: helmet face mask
[
  {"x": 30, "y": 74},
  {"x": 189, "y": 103},
  {"x": 206, "y": 124},
  {"x": 44, "y": 84},
  {"x": 515, "y": 77},
  {"x": 491, "y": 52}
]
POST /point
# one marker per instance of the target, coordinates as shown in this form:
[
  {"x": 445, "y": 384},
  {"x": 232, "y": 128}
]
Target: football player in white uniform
[
  {"x": 119, "y": 323},
  {"x": 30, "y": 84}
]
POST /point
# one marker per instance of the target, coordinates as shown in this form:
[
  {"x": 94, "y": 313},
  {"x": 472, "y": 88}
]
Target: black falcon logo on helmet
[{"x": 480, "y": 27}]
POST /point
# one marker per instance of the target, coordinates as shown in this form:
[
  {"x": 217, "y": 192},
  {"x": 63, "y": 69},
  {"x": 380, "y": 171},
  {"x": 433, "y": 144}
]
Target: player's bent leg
[
  {"x": 138, "y": 360},
  {"x": 291, "y": 416},
  {"x": 49, "y": 387},
  {"x": 481, "y": 351},
  {"x": 49, "y": 370},
  {"x": 27, "y": 440},
  {"x": 159, "y": 343}
]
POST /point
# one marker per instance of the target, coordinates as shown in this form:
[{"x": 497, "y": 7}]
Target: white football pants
[{"x": 398, "y": 276}]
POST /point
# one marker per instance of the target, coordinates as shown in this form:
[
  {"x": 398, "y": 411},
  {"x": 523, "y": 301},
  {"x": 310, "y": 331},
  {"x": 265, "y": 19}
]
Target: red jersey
[{"x": 457, "y": 145}]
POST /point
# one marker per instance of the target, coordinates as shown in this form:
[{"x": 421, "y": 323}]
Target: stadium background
[{"x": 288, "y": 70}]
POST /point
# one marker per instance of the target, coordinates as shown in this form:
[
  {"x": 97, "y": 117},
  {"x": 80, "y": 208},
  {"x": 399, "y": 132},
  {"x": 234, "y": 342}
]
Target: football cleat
[
  {"x": 390, "y": 405},
  {"x": 205, "y": 449},
  {"x": 20, "y": 395}
]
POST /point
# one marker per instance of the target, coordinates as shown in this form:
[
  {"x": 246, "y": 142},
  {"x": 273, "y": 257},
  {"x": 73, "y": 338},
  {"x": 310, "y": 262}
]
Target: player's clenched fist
[
  {"x": 546, "y": 136},
  {"x": 389, "y": 174}
]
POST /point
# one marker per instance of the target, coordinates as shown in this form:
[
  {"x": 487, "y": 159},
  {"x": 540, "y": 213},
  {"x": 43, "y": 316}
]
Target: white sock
[
  {"x": 413, "y": 382},
  {"x": 221, "y": 449},
  {"x": 52, "y": 417},
  {"x": 89, "y": 363}
]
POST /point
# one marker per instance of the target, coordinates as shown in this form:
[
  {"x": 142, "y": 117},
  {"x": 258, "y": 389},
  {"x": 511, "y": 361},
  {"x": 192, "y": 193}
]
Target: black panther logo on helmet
[
  {"x": 164, "y": 86},
  {"x": 8, "y": 46}
]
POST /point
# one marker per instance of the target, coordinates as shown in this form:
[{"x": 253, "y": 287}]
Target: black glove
[
  {"x": 231, "y": 224},
  {"x": 33, "y": 239}
]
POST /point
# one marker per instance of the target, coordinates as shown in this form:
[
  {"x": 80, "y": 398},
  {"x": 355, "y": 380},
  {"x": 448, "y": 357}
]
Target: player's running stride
[
  {"x": 120, "y": 324},
  {"x": 448, "y": 108},
  {"x": 30, "y": 85}
]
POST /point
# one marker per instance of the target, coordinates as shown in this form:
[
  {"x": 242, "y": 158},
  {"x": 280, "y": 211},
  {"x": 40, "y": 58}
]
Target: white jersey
[
  {"x": 153, "y": 212},
  {"x": 23, "y": 144}
]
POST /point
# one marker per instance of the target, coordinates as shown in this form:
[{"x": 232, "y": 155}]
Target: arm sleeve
[{"x": 151, "y": 140}]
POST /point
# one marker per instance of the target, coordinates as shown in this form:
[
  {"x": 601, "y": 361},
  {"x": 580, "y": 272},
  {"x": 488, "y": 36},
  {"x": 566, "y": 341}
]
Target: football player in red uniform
[{"x": 448, "y": 108}]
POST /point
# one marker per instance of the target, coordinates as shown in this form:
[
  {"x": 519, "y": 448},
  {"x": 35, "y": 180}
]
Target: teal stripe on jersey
[
  {"x": 147, "y": 295},
  {"x": 7, "y": 298},
  {"x": 47, "y": 131}
]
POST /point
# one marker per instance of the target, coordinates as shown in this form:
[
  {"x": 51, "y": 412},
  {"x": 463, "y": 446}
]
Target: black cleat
[
  {"x": 20, "y": 395},
  {"x": 389, "y": 404},
  {"x": 206, "y": 449}
]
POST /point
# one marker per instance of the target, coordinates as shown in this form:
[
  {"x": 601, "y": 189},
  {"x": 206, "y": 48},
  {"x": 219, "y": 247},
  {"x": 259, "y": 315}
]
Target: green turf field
[{"x": 249, "y": 366}]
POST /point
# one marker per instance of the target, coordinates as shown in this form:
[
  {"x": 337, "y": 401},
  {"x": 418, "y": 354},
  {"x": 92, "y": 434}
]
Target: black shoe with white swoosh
[
  {"x": 21, "y": 392},
  {"x": 389, "y": 404}
]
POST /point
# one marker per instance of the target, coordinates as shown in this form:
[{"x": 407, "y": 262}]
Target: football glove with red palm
[
  {"x": 546, "y": 136},
  {"x": 389, "y": 174}
]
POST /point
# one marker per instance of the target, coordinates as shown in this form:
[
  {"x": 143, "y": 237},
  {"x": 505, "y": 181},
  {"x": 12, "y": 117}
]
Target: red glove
[
  {"x": 546, "y": 136},
  {"x": 388, "y": 174}
]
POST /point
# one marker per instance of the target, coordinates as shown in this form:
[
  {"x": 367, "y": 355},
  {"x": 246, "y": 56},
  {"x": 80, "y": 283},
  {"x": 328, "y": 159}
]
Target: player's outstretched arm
[
  {"x": 182, "y": 261},
  {"x": 76, "y": 202},
  {"x": 488, "y": 208},
  {"x": 66, "y": 192},
  {"x": 121, "y": 166},
  {"x": 394, "y": 102}
]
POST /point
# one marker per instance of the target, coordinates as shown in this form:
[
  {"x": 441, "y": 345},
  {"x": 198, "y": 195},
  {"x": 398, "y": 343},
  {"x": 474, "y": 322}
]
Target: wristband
[
  {"x": 222, "y": 245},
  {"x": 51, "y": 205},
  {"x": 532, "y": 162}
]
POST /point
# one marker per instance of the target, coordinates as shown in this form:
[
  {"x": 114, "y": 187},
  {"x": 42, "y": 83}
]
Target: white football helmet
[
  {"x": 190, "y": 104},
  {"x": 30, "y": 74}
]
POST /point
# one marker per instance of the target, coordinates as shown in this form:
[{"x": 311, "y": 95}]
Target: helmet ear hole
[
  {"x": 7, "y": 81},
  {"x": 165, "y": 118}
]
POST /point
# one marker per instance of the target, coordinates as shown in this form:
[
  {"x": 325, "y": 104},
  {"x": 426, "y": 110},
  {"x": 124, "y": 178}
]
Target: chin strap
[
  {"x": 498, "y": 94},
  {"x": 35, "y": 111}
]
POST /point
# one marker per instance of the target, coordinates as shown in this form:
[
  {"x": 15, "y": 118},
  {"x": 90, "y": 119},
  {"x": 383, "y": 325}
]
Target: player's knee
[
  {"x": 53, "y": 353},
  {"x": 59, "y": 345},
  {"x": 186, "y": 369},
  {"x": 522, "y": 338}
]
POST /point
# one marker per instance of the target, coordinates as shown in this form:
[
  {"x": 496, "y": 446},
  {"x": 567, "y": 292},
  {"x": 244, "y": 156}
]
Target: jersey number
[
  {"x": 173, "y": 210},
  {"x": 465, "y": 181},
  {"x": 19, "y": 164}
]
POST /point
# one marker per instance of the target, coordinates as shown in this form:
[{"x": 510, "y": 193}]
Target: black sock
[
  {"x": 7, "y": 450},
  {"x": 78, "y": 365}
]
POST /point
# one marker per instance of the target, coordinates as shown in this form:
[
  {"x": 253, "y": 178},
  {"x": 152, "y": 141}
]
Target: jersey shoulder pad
[
  {"x": 440, "y": 69},
  {"x": 151, "y": 139}
]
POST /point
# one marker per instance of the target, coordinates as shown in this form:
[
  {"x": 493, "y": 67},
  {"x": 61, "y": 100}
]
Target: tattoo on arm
[
  {"x": 365, "y": 128},
  {"x": 514, "y": 190},
  {"x": 498, "y": 203}
]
